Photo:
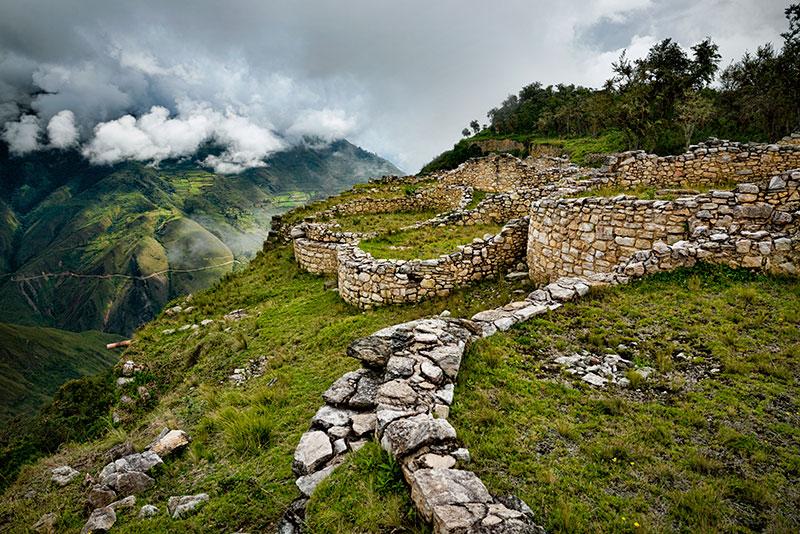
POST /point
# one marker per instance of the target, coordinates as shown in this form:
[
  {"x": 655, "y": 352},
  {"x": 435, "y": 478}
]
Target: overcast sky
[{"x": 400, "y": 78}]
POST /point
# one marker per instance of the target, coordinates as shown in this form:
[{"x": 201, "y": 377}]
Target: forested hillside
[{"x": 660, "y": 103}]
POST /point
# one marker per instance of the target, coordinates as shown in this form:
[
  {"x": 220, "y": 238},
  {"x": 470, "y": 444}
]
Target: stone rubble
[
  {"x": 184, "y": 505},
  {"x": 128, "y": 473},
  {"x": 63, "y": 475}
]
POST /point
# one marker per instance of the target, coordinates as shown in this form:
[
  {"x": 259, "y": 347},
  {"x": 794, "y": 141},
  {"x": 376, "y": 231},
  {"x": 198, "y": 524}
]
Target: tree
[
  {"x": 465, "y": 132},
  {"x": 475, "y": 125},
  {"x": 695, "y": 111}
]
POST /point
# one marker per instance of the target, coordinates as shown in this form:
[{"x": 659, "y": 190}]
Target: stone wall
[
  {"x": 504, "y": 173},
  {"x": 581, "y": 236},
  {"x": 367, "y": 282},
  {"x": 793, "y": 139},
  {"x": 440, "y": 197},
  {"x": 709, "y": 163}
]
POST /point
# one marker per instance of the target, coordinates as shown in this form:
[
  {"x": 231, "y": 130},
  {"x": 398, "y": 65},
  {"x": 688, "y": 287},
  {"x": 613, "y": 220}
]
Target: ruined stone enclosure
[{"x": 747, "y": 216}]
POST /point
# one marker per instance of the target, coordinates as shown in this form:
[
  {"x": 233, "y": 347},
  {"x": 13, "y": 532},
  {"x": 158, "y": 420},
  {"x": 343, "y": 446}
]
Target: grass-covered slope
[
  {"x": 35, "y": 361},
  {"x": 91, "y": 247},
  {"x": 711, "y": 443},
  {"x": 243, "y": 437},
  {"x": 577, "y": 148}
]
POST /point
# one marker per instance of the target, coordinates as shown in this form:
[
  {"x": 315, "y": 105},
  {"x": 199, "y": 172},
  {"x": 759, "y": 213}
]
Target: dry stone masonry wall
[
  {"x": 709, "y": 163},
  {"x": 580, "y": 236},
  {"x": 367, "y": 282}
]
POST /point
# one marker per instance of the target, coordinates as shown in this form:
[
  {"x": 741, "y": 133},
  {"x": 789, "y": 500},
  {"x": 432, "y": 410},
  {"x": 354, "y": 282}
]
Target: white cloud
[
  {"x": 22, "y": 136},
  {"x": 61, "y": 130},
  {"x": 328, "y": 124},
  {"x": 156, "y": 136}
]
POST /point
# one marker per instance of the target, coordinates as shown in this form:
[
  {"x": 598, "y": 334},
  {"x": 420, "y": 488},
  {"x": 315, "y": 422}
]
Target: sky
[{"x": 153, "y": 79}]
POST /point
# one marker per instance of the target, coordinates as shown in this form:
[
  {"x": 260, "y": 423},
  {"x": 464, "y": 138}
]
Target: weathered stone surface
[
  {"x": 372, "y": 350},
  {"x": 434, "y": 487},
  {"x": 101, "y": 520},
  {"x": 46, "y": 524},
  {"x": 313, "y": 451},
  {"x": 127, "y": 502},
  {"x": 397, "y": 393},
  {"x": 172, "y": 441},
  {"x": 363, "y": 423},
  {"x": 100, "y": 496},
  {"x": 308, "y": 483},
  {"x": 343, "y": 388},
  {"x": 181, "y": 506},
  {"x": 328, "y": 416},
  {"x": 148, "y": 510},
  {"x": 406, "y": 435},
  {"x": 63, "y": 475},
  {"x": 448, "y": 358},
  {"x": 366, "y": 391},
  {"x": 131, "y": 482}
]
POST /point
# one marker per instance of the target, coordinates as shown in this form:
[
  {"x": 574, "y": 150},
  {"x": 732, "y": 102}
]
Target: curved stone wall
[
  {"x": 709, "y": 163},
  {"x": 582, "y": 236},
  {"x": 367, "y": 282}
]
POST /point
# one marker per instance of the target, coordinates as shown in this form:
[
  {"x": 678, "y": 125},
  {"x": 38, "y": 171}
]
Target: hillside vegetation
[
  {"x": 711, "y": 443},
  {"x": 243, "y": 437},
  {"x": 34, "y": 362},
  {"x": 159, "y": 232},
  {"x": 660, "y": 103}
]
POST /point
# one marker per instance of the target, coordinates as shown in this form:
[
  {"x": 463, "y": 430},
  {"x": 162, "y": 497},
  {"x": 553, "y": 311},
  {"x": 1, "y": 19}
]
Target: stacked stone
[
  {"x": 367, "y": 282},
  {"x": 440, "y": 196},
  {"x": 593, "y": 235},
  {"x": 708, "y": 163},
  {"x": 500, "y": 173},
  {"x": 793, "y": 139},
  {"x": 402, "y": 396}
]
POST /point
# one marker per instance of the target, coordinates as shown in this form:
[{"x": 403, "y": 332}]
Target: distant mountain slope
[
  {"x": 86, "y": 247},
  {"x": 35, "y": 361}
]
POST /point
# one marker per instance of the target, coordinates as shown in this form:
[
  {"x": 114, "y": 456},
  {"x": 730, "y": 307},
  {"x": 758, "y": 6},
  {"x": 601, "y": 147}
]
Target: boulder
[
  {"x": 63, "y": 475},
  {"x": 132, "y": 482},
  {"x": 172, "y": 441},
  {"x": 184, "y": 505},
  {"x": 100, "y": 496},
  {"x": 101, "y": 520}
]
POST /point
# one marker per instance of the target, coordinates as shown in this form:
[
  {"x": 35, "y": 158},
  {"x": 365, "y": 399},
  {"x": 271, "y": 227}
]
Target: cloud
[
  {"x": 61, "y": 130},
  {"x": 401, "y": 79},
  {"x": 327, "y": 124},
  {"x": 156, "y": 136},
  {"x": 22, "y": 136}
]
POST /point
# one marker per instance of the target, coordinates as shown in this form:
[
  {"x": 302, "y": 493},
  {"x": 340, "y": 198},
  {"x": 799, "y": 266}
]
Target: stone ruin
[{"x": 402, "y": 394}]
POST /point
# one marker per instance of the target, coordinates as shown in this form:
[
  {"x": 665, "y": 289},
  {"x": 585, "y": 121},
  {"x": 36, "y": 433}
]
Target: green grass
[
  {"x": 365, "y": 494},
  {"x": 656, "y": 193},
  {"x": 35, "y": 361},
  {"x": 383, "y": 222},
  {"x": 718, "y": 454},
  {"x": 243, "y": 438},
  {"x": 426, "y": 242},
  {"x": 477, "y": 197},
  {"x": 577, "y": 148}
]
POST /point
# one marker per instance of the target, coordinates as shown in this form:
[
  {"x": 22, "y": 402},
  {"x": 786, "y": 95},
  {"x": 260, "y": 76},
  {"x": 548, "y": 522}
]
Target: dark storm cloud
[{"x": 400, "y": 78}]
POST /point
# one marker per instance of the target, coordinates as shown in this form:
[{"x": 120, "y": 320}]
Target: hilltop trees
[{"x": 665, "y": 100}]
